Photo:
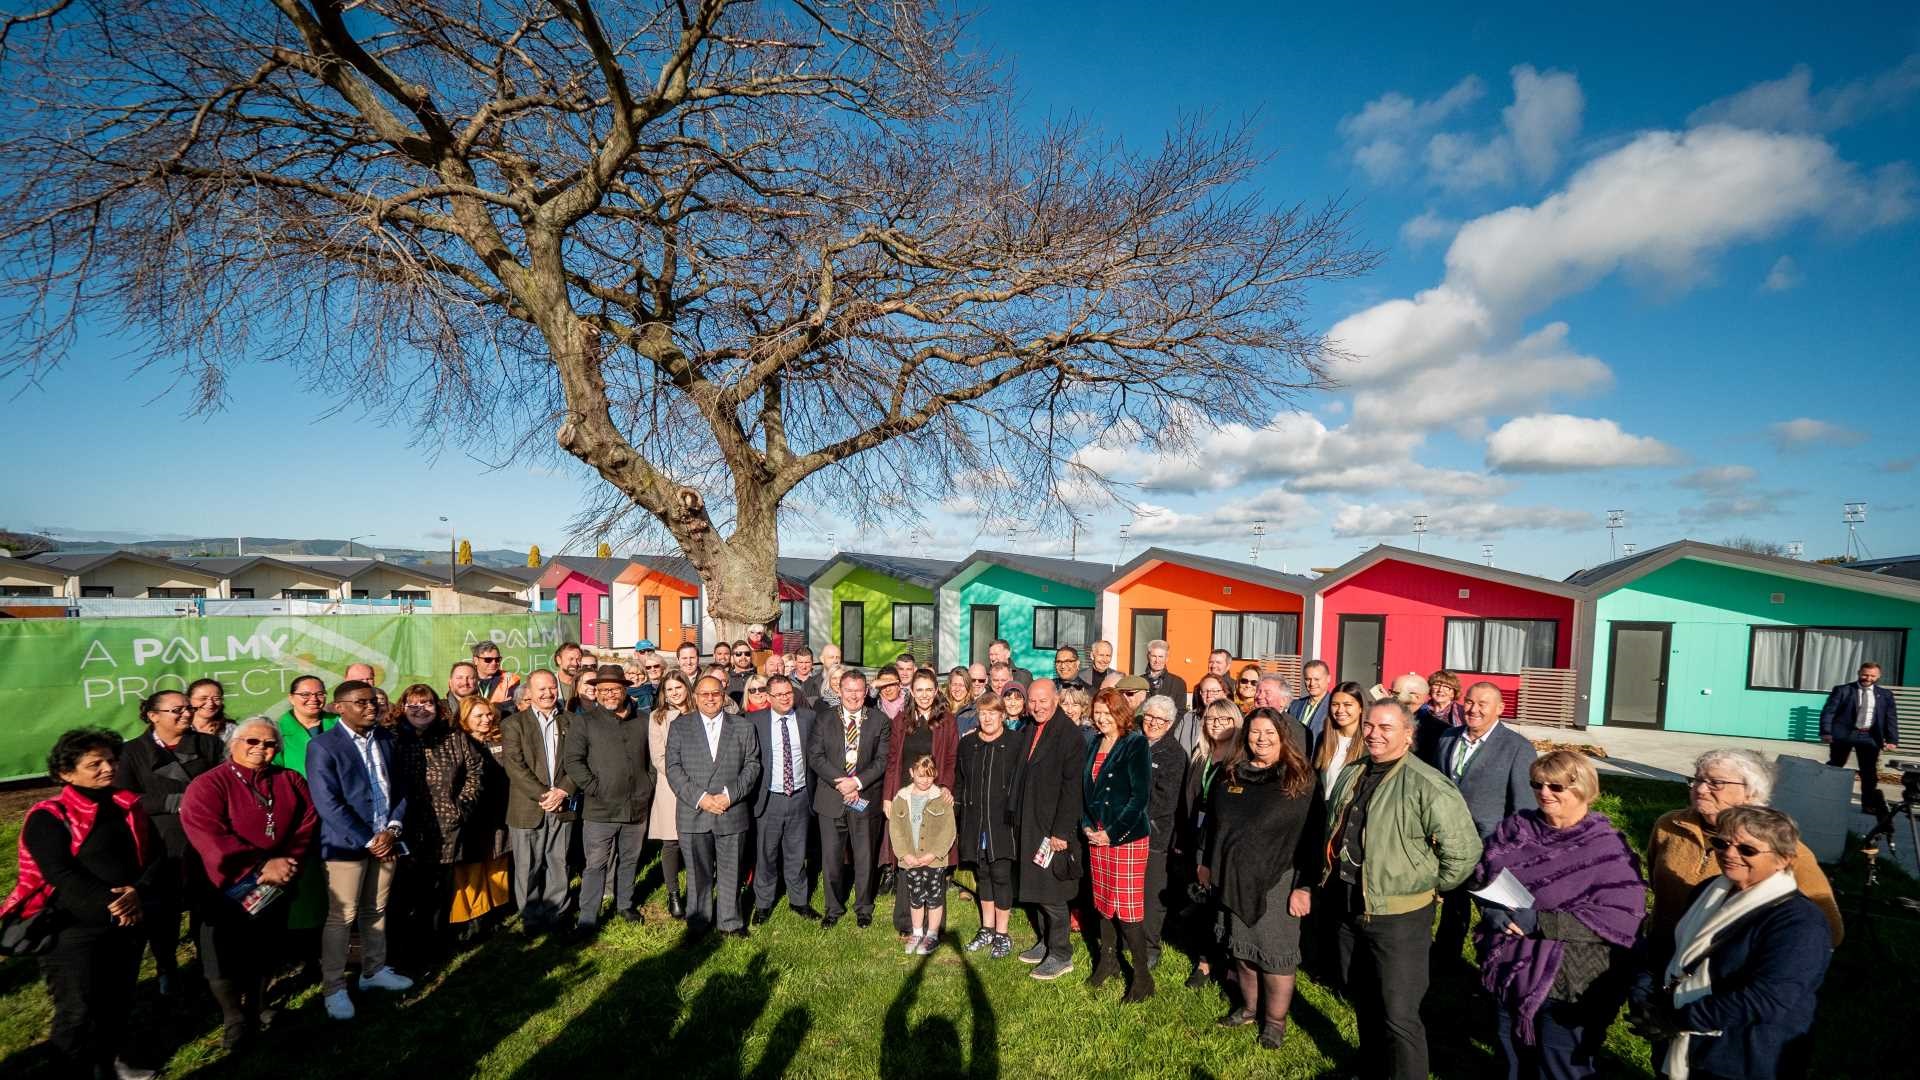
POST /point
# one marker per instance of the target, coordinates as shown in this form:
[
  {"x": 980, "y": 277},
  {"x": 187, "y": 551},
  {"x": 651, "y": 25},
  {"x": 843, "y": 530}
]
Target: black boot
[
  {"x": 233, "y": 1014},
  {"x": 1140, "y": 987},
  {"x": 676, "y": 902},
  {"x": 1107, "y": 964}
]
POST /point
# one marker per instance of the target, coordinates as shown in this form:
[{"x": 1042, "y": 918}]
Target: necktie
[
  {"x": 853, "y": 740},
  {"x": 786, "y": 760}
]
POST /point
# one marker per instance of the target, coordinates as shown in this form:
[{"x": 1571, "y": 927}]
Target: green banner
[{"x": 57, "y": 674}]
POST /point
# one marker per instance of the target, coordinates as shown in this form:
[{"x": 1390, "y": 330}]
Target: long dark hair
[
  {"x": 937, "y": 715},
  {"x": 1295, "y": 776},
  {"x": 1323, "y": 755},
  {"x": 660, "y": 710}
]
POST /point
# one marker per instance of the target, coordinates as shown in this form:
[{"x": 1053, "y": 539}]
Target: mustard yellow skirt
[{"x": 479, "y": 887}]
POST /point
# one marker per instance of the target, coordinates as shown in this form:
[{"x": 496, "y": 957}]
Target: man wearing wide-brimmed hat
[{"x": 606, "y": 755}]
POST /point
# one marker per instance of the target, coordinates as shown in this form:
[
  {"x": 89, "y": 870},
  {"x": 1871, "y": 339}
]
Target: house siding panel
[
  {"x": 879, "y": 592},
  {"x": 1016, "y": 594},
  {"x": 1190, "y": 597}
]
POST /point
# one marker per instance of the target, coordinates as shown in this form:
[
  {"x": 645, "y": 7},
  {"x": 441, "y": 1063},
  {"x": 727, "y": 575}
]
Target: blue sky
[{"x": 1659, "y": 260}]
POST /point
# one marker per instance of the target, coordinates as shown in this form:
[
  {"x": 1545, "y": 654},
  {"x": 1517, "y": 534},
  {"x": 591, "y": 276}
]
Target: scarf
[
  {"x": 31, "y": 891},
  {"x": 1689, "y": 976},
  {"x": 1585, "y": 870}
]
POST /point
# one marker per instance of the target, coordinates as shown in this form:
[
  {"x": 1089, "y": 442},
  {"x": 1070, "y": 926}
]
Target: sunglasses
[
  {"x": 268, "y": 743},
  {"x": 1249, "y": 682},
  {"x": 1747, "y": 851},
  {"x": 1557, "y": 789}
]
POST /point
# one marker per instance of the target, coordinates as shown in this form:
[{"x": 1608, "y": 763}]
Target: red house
[
  {"x": 1392, "y": 611},
  {"x": 583, "y": 587}
]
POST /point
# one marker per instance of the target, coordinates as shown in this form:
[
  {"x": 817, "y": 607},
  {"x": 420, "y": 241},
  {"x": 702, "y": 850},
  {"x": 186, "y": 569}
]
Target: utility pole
[
  {"x": 1616, "y": 520},
  {"x": 453, "y": 558},
  {"x": 1486, "y": 552},
  {"x": 1419, "y": 531},
  {"x": 1854, "y": 515}
]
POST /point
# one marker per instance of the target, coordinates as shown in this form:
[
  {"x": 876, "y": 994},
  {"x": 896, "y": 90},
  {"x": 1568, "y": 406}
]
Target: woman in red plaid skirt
[{"x": 1119, "y": 781}]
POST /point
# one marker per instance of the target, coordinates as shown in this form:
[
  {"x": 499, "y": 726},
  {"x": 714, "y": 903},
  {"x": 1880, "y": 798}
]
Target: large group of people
[{"x": 1258, "y": 832}]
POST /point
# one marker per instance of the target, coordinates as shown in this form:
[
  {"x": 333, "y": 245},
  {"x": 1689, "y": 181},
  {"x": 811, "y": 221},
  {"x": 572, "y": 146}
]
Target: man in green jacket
[{"x": 1399, "y": 833}]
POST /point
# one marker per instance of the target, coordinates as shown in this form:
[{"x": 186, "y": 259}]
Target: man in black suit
[
  {"x": 1047, "y": 805},
  {"x": 1311, "y": 708},
  {"x": 1860, "y": 717},
  {"x": 783, "y": 809},
  {"x": 1492, "y": 766},
  {"x": 849, "y": 760}
]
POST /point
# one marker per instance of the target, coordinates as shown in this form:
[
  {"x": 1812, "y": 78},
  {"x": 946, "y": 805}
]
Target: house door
[
  {"x": 1362, "y": 642},
  {"x": 603, "y": 631},
  {"x": 1637, "y": 674},
  {"x": 853, "y": 633},
  {"x": 652, "y": 632},
  {"x": 985, "y": 630},
  {"x": 1148, "y": 626}
]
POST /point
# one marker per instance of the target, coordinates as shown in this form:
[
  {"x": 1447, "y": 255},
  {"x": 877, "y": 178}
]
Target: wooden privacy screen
[{"x": 1547, "y": 696}]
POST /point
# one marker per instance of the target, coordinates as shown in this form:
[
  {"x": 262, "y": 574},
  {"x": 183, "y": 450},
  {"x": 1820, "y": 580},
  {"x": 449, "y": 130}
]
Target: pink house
[{"x": 583, "y": 587}]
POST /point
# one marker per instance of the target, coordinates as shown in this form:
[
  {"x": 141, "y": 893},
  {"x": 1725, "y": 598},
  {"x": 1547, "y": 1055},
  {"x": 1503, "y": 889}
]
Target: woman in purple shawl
[{"x": 1557, "y": 967}]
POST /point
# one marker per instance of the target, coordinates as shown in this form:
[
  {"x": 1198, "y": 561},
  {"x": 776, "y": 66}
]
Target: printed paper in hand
[{"x": 1505, "y": 891}]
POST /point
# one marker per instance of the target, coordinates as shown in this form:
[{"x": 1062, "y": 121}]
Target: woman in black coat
[
  {"x": 158, "y": 766},
  {"x": 1046, "y": 814},
  {"x": 96, "y": 891},
  {"x": 984, "y": 769}
]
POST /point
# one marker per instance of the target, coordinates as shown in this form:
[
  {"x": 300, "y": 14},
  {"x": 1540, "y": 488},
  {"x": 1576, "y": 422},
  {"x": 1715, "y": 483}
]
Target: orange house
[
  {"x": 656, "y": 599},
  {"x": 1198, "y": 603}
]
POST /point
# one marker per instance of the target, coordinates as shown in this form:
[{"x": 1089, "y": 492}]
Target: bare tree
[
  {"x": 1754, "y": 545},
  {"x": 732, "y": 256}
]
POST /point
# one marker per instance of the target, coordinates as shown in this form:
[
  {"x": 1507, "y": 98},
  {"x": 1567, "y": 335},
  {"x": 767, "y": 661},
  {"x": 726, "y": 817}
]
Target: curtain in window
[
  {"x": 902, "y": 622},
  {"x": 1045, "y": 629},
  {"x": 923, "y": 622},
  {"x": 1226, "y": 632},
  {"x": 1463, "y": 641},
  {"x": 1073, "y": 626},
  {"x": 1832, "y": 657},
  {"x": 1503, "y": 646},
  {"x": 1541, "y": 635},
  {"x": 1771, "y": 664},
  {"x": 1265, "y": 635}
]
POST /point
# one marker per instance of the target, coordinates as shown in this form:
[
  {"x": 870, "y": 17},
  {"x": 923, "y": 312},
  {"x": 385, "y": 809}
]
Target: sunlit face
[
  {"x": 609, "y": 694},
  {"x": 957, "y": 688},
  {"x": 1715, "y": 788},
  {"x": 1015, "y": 702},
  {"x": 543, "y": 690},
  {"x": 890, "y": 691},
  {"x": 1248, "y": 684},
  {"x": 1102, "y": 655},
  {"x": 461, "y": 681},
  {"x": 676, "y": 694},
  {"x": 1272, "y": 694},
  {"x": 710, "y": 696},
  {"x": 1218, "y": 726},
  {"x": 742, "y": 660},
  {"x": 1263, "y": 740},
  {"x": 1072, "y": 707},
  {"x": 655, "y": 668},
  {"x": 1043, "y": 700},
  {"x": 1483, "y": 709},
  {"x": 171, "y": 717},
  {"x": 1740, "y": 868},
  {"x": 1869, "y": 674},
  {"x": 1217, "y": 664},
  {"x": 755, "y": 697},
  {"x": 830, "y": 656},
  {"x": 1386, "y": 734},
  {"x": 206, "y": 702},
  {"x": 904, "y": 668},
  {"x": 1066, "y": 664},
  {"x": 1210, "y": 690},
  {"x": 999, "y": 654},
  {"x": 1411, "y": 691},
  {"x": 1565, "y": 804},
  {"x": 420, "y": 710},
  {"x": 803, "y": 665},
  {"x": 1317, "y": 681},
  {"x": 570, "y": 661},
  {"x": 1442, "y": 696},
  {"x": 1157, "y": 659},
  {"x": 1344, "y": 710},
  {"x": 483, "y": 724},
  {"x": 723, "y": 654},
  {"x": 309, "y": 699},
  {"x": 93, "y": 770},
  {"x": 687, "y": 660},
  {"x": 1155, "y": 724},
  {"x": 1103, "y": 721},
  {"x": 925, "y": 693},
  {"x": 254, "y": 745},
  {"x": 780, "y": 697},
  {"x": 999, "y": 679},
  {"x": 992, "y": 723},
  {"x": 358, "y": 709}
]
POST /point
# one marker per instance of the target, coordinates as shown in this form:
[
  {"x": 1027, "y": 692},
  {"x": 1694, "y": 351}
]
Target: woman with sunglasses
[
  {"x": 1246, "y": 687},
  {"x": 157, "y": 766},
  {"x": 1731, "y": 990},
  {"x": 1679, "y": 855},
  {"x": 1556, "y": 968},
  {"x": 253, "y": 826}
]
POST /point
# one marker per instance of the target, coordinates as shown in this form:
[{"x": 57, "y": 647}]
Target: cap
[
  {"x": 643, "y": 645},
  {"x": 1130, "y": 683}
]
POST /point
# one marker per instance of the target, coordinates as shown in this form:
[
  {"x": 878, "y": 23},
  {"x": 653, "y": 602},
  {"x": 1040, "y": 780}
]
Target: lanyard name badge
[{"x": 264, "y": 802}]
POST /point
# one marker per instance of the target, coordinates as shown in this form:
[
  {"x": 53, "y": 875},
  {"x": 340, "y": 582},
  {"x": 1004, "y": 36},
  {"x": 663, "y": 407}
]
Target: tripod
[{"x": 1870, "y": 847}]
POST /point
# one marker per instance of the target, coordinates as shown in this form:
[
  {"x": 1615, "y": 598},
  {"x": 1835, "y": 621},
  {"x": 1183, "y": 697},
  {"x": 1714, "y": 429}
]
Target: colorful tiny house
[
  {"x": 584, "y": 587},
  {"x": 657, "y": 600},
  {"x": 1392, "y": 611},
  {"x": 793, "y": 573},
  {"x": 1198, "y": 603},
  {"x": 1036, "y": 604},
  {"x": 874, "y": 607},
  {"x": 1701, "y": 638}
]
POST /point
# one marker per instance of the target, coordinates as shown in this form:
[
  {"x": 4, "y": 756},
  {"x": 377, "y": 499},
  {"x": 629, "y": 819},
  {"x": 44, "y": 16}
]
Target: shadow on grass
[{"x": 931, "y": 1048}]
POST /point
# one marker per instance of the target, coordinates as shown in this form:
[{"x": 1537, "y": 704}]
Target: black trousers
[
  {"x": 1868, "y": 759},
  {"x": 417, "y": 910},
  {"x": 1156, "y": 896},
  {"x": 1567, "y": 1039},
  {"x": 1056, "y": 928},
  {"x": 1450, "y": 936},
  {"x": 856, "y": 836},
  {"x": 90, "y": 974},
  {"x": 781, "y": 849},
  {"x": 1383, "y": 962}
]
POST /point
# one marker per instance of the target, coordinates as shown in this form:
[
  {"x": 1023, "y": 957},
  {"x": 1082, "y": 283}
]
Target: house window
[
  {"x": 1820, "y": 657},
  {"x": 303, "y": 594},
  {"x": 1057, "y": 627},
  {"x": 26, "y": 590},
  {"x": 689, "y": 611},
  {"x": 1251, "y": 635},
  {"x": 242, "y": 594},
  {"x": 1500, "y": 646},
  {"x": 912, "y": 622},
  {"x": 360, "y": 594},
  {"x": 96, "y": 592},
  {"x": 408, "y": 594},
  {"x": 176, "y": 594},
  {"x": 793, "y": 616}
]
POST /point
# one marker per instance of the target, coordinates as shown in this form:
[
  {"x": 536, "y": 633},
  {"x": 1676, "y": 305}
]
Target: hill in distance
[{"x": 213, "y": 547}]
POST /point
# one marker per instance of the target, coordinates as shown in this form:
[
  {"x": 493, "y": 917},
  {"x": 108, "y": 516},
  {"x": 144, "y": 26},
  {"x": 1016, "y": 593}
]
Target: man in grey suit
[
  {"x": 783, "y": 809},
  {"x": 849, "y": 760},
  {"x": 1490, "y": 763},
  {"x": 713, "y": 763}
]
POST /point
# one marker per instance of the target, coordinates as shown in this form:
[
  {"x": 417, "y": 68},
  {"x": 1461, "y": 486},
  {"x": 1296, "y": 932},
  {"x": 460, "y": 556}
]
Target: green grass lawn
[{"x": 795, "y": 1000}]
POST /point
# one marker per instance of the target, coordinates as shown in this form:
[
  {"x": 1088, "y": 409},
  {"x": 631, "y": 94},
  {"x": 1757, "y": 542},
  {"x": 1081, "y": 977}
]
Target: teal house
[
  {"x": 1701, "y": 638},
  {"x": 1036, "y": 604},
  {"x": 874, "y": 607}
]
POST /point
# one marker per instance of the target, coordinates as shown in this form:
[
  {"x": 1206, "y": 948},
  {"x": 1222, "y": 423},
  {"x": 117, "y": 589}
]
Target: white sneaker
[
  {"x": 385, "y": 979},
  {"x": 124, "y": 1071},
  {"x": 913, "y": 946},
  {"x": 339, "y": 1005}
]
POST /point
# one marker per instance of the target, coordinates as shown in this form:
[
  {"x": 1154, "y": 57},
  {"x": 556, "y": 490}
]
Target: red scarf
[{"x": 31, "y": 892}]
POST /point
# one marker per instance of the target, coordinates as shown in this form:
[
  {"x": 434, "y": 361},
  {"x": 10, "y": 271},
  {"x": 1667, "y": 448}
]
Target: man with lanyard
[
  {"x": 362, "y": 803},
  {"x": 849, "y": 760},
  {"x": 784, "y": 808},
  {"x": 1400, "y": 833},
  {"x": 540, "y": 803}
]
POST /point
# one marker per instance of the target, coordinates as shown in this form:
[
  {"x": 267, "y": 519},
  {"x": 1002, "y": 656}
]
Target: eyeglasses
[
  {"x": 268, "y": 743},
  {"x": 1747, "y": 851},
  {"x": 977, "y": 682},
  {"x": 363, "y": 702},
  {"x": 1557, "y": 789},
  {"x": 321, "y": 694},
  {"x": 178, "y": 710},
  {"x": 1712, "y": 784}
]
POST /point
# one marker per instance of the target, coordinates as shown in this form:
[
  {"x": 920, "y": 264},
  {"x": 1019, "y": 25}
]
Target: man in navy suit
[
  {"x": 783, "y": 809},
  {"x": 1311, "y": 709},
  {"x": 1859, "y": 716},
  {"x": 1492, "y": 766},
  {"x": 362, "y": 803}
]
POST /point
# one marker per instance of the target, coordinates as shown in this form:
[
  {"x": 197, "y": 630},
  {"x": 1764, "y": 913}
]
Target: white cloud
[
  {"x": 1381, "y": 134},
  {"x": 1280, "y": 509},
  {"x": 1805, "y": 431},
  {"x": 1783, "y": 276},
  {"x": 1790, "y": 103},
  {"x": 1291, "y": 445},
  {"x": 1390, "y": 338},
  {"x": 1428, "y": 228},
  {"x": 1536, "y": 131},
  {"x": 1561, "y": 443},
  {"x": 1459, "y": 519},
  {"x": 1719, "y": 478},
  {"x": 1524, "y": 376}
]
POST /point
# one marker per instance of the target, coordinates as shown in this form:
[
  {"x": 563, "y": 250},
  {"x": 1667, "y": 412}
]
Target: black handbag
[{"x": 28, "y": 935}]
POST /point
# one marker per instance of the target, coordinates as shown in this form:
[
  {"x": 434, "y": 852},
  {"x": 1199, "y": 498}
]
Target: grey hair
[
  {"x": 1161, "y": 705},
  {"x": 1753, "y": 769},
  {"x": 1276, "y": 677}
]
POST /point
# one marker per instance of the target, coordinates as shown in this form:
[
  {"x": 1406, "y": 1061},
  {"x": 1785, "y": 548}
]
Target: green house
[
  {"x": 1701, "y": 638},
  {"x": 874, "y": 607},
  {"x": 1036, "y": 604}
]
